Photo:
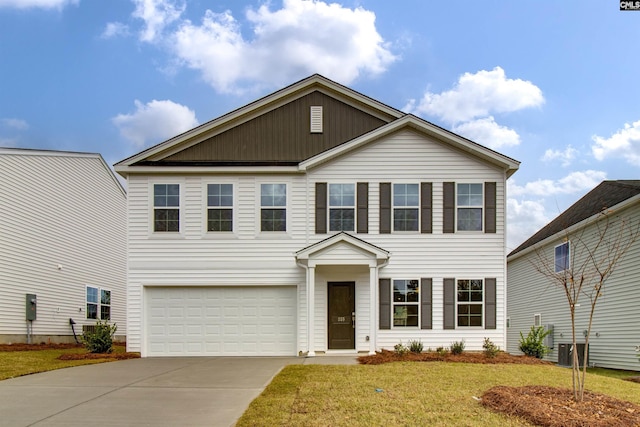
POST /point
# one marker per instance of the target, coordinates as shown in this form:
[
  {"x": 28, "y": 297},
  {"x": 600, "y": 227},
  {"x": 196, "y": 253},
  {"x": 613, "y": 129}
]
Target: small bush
[
  {"x": 490, "y": 349},
  {"x": 457, "y": 347},
  {"x": 441, "y": 351},
  {"x": 533, "y": 345},
  {"x": 415, "y": 346},
  {"x": 101, "y": 339},
  {"x": 400, "y": 349}
]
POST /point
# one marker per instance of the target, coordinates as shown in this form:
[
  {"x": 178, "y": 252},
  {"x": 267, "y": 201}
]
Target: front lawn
[{"x": 405, "y": 393}]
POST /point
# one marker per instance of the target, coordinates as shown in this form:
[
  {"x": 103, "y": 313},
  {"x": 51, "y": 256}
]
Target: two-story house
[{"x": 314, "y": 220}]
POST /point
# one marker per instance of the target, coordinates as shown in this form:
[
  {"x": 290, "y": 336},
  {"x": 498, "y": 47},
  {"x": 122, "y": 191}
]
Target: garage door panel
[{"x": 211, "y": 321}]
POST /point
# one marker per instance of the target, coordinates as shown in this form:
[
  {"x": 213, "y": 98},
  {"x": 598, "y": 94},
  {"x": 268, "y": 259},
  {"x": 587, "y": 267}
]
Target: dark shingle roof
[{"x": 606, "y": 195}]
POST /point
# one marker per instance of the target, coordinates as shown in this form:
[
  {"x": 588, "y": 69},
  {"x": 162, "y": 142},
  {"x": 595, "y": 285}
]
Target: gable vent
[{"x": 316, "y": 119}]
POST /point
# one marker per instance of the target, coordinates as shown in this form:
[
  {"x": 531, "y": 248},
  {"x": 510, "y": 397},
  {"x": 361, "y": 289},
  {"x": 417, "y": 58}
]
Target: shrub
[
  {"x": 490, "y": 349},
  {"x": 400, "y": 349},
  {"x": 533, "y": 345},
  {"x": 415, "y": 346},
  {"x": 100, "y": 340},
  {"x": 457, "y": 347},
  {"x": 441, "y": 351}
]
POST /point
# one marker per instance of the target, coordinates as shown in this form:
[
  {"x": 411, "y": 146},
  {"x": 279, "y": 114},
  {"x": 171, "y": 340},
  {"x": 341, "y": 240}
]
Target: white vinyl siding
[{"x": 63, "y": 228}]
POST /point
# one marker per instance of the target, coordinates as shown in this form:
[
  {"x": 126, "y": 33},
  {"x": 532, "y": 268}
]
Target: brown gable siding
[{"x": 283, "y": 134}]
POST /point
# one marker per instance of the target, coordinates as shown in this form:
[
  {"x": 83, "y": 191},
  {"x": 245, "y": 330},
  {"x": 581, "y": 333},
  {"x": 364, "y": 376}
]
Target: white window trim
[
  {"x": 205, "y": 211},
  {"x": 258, "y": 219},
  {"x": 418, "y": 303},
  {"x": 393, "y": 209},
  {"x": 481, "y": 207},
  {"x": 537, "y": 320},
  {"x": 98, "y": 304},
  {"x": 568, "y": 243},
  {"x": 166, "y": 234},
  {"x": 354, "y": 207},
  {"x": 482, "y": 303}
]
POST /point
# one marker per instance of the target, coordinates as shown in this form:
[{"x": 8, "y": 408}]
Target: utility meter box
[{"x": 31, "y": 306}]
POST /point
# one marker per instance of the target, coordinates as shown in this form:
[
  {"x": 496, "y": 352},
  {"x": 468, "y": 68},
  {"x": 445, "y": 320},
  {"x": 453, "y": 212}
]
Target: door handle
[{"x": 353, "y": 319}]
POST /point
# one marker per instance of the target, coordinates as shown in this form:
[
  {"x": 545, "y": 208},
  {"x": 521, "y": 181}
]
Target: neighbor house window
[
  {"x": 562, "y": 257},
  {"x": 166, "y": 207},
  {"x": 219, "y": 207},
  {"x": 469, "y": 207},
  {"x": 273, "y": 207},
  {"x": 406, "y": 300},
  {"x": 406, "y": 205},
  {"x": 98, "y": 303},
  {"x": 470, "y": 302},
  {"x": 342, "y": 201}
]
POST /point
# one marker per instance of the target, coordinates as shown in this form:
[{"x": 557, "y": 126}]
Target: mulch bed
[
  {"x": 70, "y": 356},
  {"x": 540, "y": 405}
]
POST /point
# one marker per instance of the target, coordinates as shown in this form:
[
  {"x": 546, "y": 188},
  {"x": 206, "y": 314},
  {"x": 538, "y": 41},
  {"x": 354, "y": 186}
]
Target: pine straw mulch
[
  {"x": 120, "y": 355},
  {"x": 539, "y": 405}
]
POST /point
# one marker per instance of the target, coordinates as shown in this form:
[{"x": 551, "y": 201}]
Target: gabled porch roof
[{"x": 344, "y": 249}]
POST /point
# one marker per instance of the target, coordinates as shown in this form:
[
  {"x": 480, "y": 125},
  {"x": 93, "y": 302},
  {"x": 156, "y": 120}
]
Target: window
[
  {"x": 97, "y": 305},
  {"x": 470, "y": 302},
  {"x": 405, "y": 302},
  {"x": 220, "y": 207},
  {"x": 342, "y": 200},
  {"x": 406, "y": 203},
  {"x": 562, "y": 257},
  {"x": 537, "y": 320},
  {"x": 166, "y": 207},
  {"x": 273, "y": 212},
  {"x": 469, "y": 207}
]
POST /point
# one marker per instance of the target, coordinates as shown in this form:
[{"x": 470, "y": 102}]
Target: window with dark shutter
[
  {"x": 426, "y": 311},
  {"x": 321, "y": 207},
  {"x": 385, "y": 207},
  {"x": 385, "y": 303}
]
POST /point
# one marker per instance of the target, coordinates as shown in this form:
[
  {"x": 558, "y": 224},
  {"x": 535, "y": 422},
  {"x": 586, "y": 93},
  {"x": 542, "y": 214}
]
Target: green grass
[
  {"x": 18, "y": 363},
  {"x": 410, "y": 394}
]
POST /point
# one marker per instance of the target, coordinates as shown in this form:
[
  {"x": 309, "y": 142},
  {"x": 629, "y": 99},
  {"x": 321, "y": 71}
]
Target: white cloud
[
  {"x": 572, "y": 183},
  {"x": 566, "y": 156},
  {"x": 8, "y": 142},
  {"x": 301, "y": 38},
  {"x": 17, "y": 124},
  {"x": 625, "y": 144},
  {"x": 487, "y": 132},
  {"x": 524, "y": 218},
  {"x": 154, "y": 122},
  {"x": 42, "y": 4},
  {"x": 157, "y": 14},
  {"x": 115, "y": 29},
  {"x": 479, "y": 95}
]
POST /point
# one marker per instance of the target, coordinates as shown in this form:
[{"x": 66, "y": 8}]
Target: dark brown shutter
[
  {"x": 449, "y": 207},
  {"x": 321, "y": 207},
  {"x": 363, "y": 207},
  {"x": 426, "y": 302},
  {"x": 426, "y": 211},
  {"x": 385, "y": 303},
  {"x": 490, "y": 303},
  {"x": 489, "y": 207},
  {"x": 449, "y": 304},
  {"x": 385, "y": 207}
]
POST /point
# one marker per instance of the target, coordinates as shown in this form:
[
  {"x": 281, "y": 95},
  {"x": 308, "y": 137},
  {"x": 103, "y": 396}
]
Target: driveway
[{"x": 203, "y": 391}]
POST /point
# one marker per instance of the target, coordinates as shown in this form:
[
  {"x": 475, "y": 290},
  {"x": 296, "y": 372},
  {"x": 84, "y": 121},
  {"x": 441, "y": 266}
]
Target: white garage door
[{"x": 221, "y": 321}]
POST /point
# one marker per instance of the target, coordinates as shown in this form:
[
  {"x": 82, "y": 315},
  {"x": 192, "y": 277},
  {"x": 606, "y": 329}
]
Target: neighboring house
[
  {"x": 533, "y": 299},
  {"x": 313, "y": 220},
  {"x": 62, "y": 245}
]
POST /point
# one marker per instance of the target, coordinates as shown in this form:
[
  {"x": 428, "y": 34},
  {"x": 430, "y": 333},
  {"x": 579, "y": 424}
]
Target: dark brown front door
[{"x": 342, "y": 311}]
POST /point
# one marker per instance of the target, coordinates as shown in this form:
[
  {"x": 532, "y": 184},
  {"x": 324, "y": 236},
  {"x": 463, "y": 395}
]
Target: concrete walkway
[{"x": 203, "y": 391}]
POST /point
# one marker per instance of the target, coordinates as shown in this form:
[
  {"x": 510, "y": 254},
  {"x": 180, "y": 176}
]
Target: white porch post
[
  {"x": 373, "y": 307},
  {"x": 311, "y": 290}
]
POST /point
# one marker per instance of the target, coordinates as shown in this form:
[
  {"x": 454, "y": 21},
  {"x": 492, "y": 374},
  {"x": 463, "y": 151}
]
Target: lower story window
[
  {"x": 406, "y": 301},
  {"x": 98, "y": 303},
  {"x": 470, "y": 302}
]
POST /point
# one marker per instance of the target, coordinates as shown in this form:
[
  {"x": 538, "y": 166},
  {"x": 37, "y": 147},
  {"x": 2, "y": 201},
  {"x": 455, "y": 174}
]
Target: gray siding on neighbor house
[
  {"x": 283, "y": 134},
  {"x": 616, "y": 324}
]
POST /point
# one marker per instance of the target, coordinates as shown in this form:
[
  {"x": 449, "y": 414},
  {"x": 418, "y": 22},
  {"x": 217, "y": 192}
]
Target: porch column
[
  {"x": 373, "y": 307},
  {"x": 311, "y": 290}
]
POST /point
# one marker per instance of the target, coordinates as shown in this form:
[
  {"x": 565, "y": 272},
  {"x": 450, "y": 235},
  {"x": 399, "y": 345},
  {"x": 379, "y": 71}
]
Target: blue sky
[{"x": 553, "y": 84}]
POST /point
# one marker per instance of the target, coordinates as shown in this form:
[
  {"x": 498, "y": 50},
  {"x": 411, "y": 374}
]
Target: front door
[{"x": 342, "y": 315}]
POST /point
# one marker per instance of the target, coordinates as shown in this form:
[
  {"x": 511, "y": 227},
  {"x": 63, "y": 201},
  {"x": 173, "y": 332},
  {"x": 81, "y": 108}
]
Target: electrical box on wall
[{"x": 31, "y": 306}]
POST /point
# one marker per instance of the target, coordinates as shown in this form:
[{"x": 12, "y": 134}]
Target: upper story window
[
  {"x": 469, "y": 207},
  {"x": 470, "y": 302},
  {"x": 406, "y": 205},
  {"x": 342, "y": 201},
  {"x": 166, "y": 207},
  {"x": 561, "y": 257},
  {"x": 219, "y": 207},
  {"x": 273, "y": 207},
  {"x": 98, "y": 303},
  {"x": 406, "y": 302}
]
